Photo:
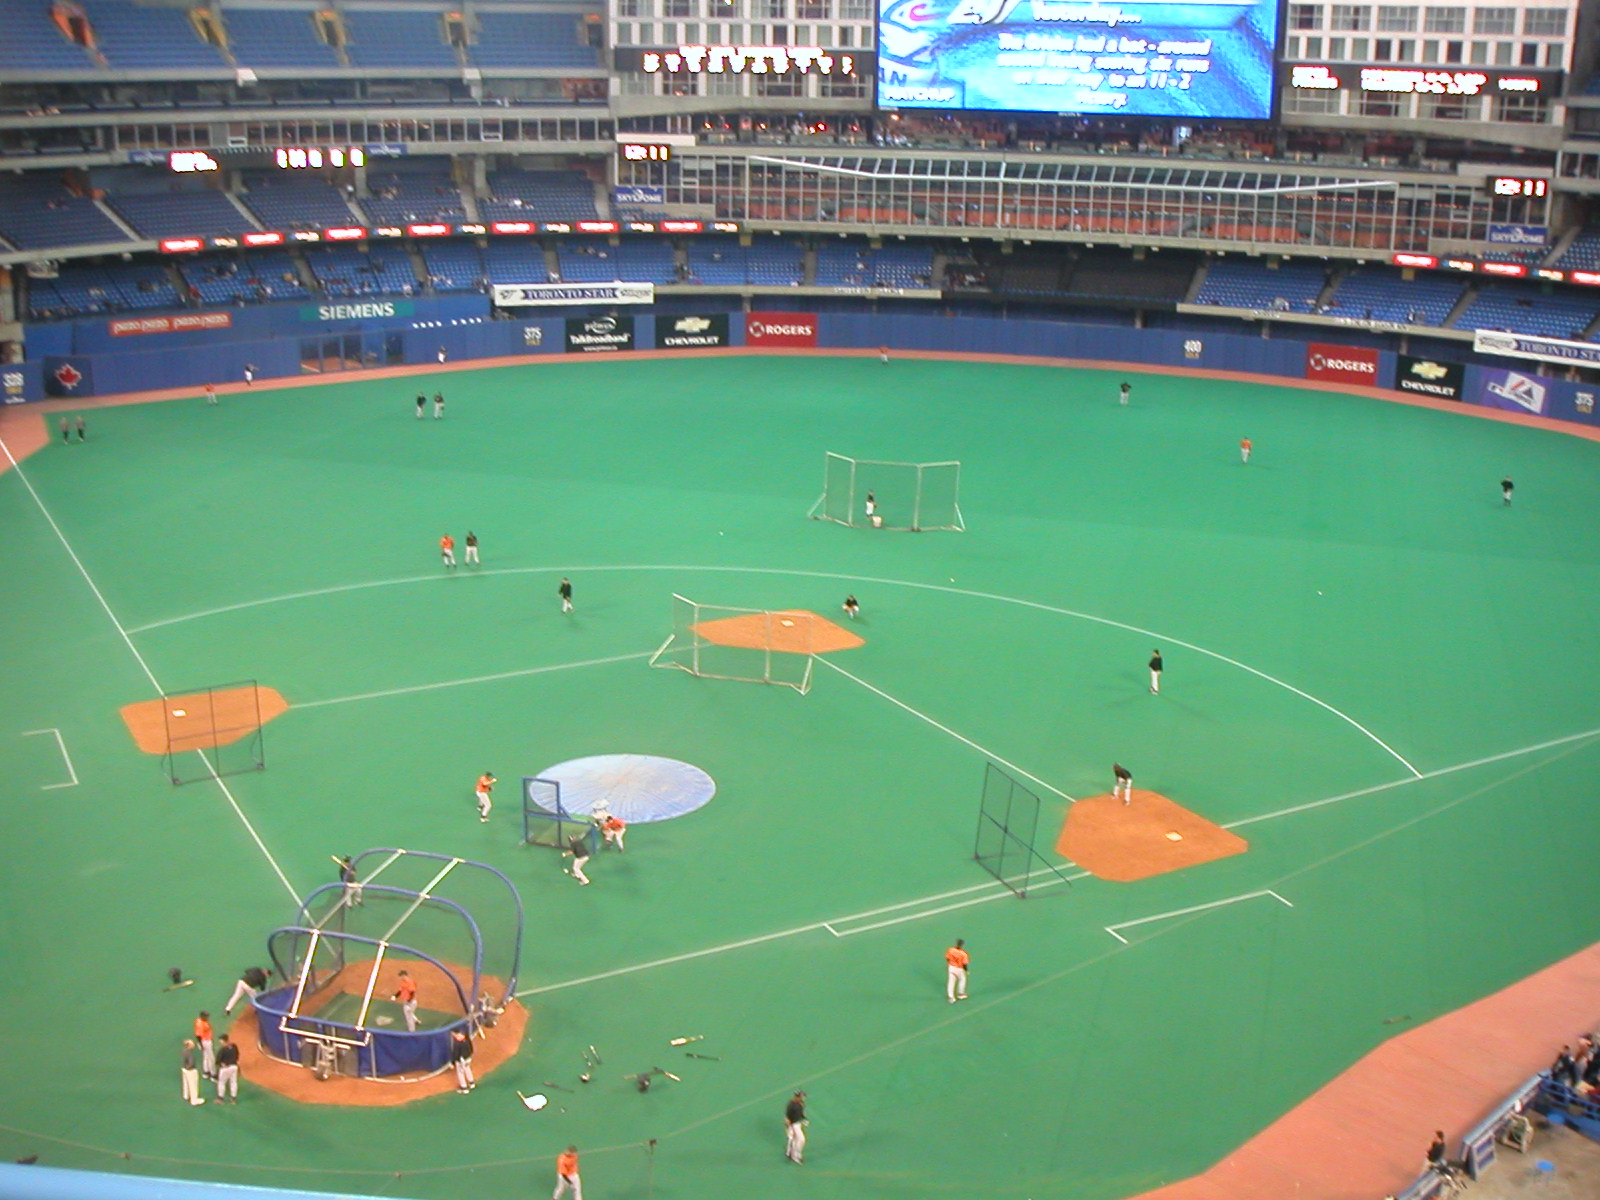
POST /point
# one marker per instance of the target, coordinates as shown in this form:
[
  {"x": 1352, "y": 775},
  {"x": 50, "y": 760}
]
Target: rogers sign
[
  {"x": 1341, "y": 364},
  {"x": 780, "y": 329}
]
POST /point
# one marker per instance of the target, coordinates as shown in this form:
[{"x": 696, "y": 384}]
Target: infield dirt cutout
[
  {"x": 201, "y": 720},
  {"x": 1151, "y": 835},
  {"x": 793, "y": 631}
]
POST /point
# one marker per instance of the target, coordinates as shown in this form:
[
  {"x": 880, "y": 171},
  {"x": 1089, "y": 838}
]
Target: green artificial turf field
[{"x": 1353, "y": 618}]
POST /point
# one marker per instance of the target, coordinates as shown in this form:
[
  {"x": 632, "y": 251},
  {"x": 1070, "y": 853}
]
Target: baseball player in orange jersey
[
  {"x": 405, "y": 991},
  {"x": 447, "y": 550},
  {"x": 956, "y": 961},
  {"x": 612, "y": 829},
  {"x": 567, "y": 1175},
  {"x": 1244, "y": 449},
  {"x": 486, "y": 783},
  {"x": 208, "y": 1049}
]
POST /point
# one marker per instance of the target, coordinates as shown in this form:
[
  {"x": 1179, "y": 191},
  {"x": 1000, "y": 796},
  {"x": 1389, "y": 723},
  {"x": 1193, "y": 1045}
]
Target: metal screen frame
[{"x": 906, "y": 504}]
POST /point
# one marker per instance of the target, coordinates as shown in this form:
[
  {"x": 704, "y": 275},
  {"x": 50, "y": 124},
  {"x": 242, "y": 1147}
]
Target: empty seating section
[
  {"x": 508, "y": 39},
  {"x": 717, "y": 263},
  {"x": 1234, "y": 283},
  {"x": 775, "y": 262},
  {"x": 33, "y": 42},
  {"x": 252, "y": 278},
  {"x": 86, "y": 288},
  {"x": 517, "y": 261},
  {"x": 397, "y": 38},
  {"x": 346, "y": 271},
  {"x": 285, "y": 201},
  {"x": 37, "y": 212},
  {"x": 276, "y": 37},
  {"x": 847, "y": 264},
  {"x": 405, "y": 198},
  {"x": 180, "y": 214},
  {"x": 1380, "y": 294},
  {"x": 1583, "y": 254},
  {"x": 147, "y": 35},
  {"x": 591, "y": 260},
  {"x": 1523, "y": 309},
  {"x": 454, "y": 266},
  {"x": 538, "y": 196}
]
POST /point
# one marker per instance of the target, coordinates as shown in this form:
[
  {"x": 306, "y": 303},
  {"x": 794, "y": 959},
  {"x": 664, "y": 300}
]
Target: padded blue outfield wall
[{"x": 101, "y": 356}]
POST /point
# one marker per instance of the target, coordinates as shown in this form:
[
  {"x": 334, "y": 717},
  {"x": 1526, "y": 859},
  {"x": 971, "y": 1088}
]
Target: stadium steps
[
  {"x": 419, "y": 268},
  {"x": 1199, "y": 280},
  {"x": 304, "y": 273},
  {"x": 552, "y": 263},
  {"x": 115, "y": 218},
  {"x": 1325, "y": 296},
  {"x": 250, "y": 219},
  {"x": 808, "y": 267},
  {"x": 1460, "y": 306},
  {"x": 1563, "y": 244},
  {"x": 469, "y": 202}
]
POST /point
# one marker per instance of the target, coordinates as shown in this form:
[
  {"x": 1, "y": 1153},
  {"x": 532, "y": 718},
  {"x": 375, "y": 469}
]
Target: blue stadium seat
[
  {"x": 254, "y": 278},
  {"x": 82, "y": 289},
  {"x": 513, "y": 260},
  {"x": 276, "y": 37},
  {"x": 407, "y": 197},
  {"x": 538, "y": 196},
  {"x": 38, "y": 213},
  {"x": 513, "y": 39},
  {"x": 1237, "y": 283},
  {"x": 454, "y": 266},
  {"x": 148, "y": 35},
  {"x": 385, "y": 270},
  {"x": 397, "y": 38},
  {"x": 717, "y": 262},
  {"x": 191, "y": 213},
  {"x": 1583, "y": 254},
  {"x": 285, "y": 200},
  {"x": 1520, "y": 308},
  {"x": 1383, "y": 294},
  {"x": 590, "y": 260},
  {"x": 33, "y": 42}
]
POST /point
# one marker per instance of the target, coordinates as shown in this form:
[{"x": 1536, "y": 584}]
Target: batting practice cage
[
  {"x": 905, "y": 495},
  {"x": 751, "y": 645},
  {"x": 1008, "y": 820},
  {"x": 453, "y": 926},
  {"x": 546, "y": 821}
]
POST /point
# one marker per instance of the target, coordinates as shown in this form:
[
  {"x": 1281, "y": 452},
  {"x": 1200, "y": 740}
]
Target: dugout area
[{"x": 798, "y": 919}]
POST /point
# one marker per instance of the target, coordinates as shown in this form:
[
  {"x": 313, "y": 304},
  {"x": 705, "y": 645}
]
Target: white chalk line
[
  {"x": 143, "y": 666},
  {"x": 857, "y": 579},
  {"x": 450, "y": 683},
  {"x": 922, "y": 716},
  {"x": 72, "y": 780},
  {"x": 1193, "y": 908}
]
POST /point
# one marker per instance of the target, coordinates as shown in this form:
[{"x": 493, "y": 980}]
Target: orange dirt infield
[
  {"x": 793, "y": 631},
  {"x": 492, "y": 1049},
  {"x": 1124, "y": 842},
  {"x": 209, "y": 719}
]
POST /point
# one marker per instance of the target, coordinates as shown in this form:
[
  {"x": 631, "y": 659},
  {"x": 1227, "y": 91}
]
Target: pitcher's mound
[
  {"x": 1150, "y": 836},
  {"x": 795, "y": 631}
]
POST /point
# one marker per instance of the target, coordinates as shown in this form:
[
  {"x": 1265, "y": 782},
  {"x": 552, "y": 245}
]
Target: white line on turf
[
  {"x": 922, "y": 716},
  {"x": 450, "y": 683},
  {"x": 1193, "y": 908},
  {"x": 143, "y": 666},
  {"x": 72, "y": 780},
  {"x": 829, "y": 575}
]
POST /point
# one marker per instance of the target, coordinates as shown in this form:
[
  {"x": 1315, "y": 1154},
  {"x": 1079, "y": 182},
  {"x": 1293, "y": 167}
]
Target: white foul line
[
  {"x": 1193, "y": 908},
  {"x": 450, "y": 683},
  {"x": 65, "y": 757},
  {"x": 922, "y": 716},
  {"x": 139, "y": 658}
]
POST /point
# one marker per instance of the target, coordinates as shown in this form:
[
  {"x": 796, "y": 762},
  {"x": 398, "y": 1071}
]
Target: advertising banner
[
  {"x": 691, "y": 332},
  {"x": 1523, "y": 345},
  {"x": 356, "y": 310},
  {"x": 181, "y": 323},
  {"x": 1514, "y": 391},
  {"x": 1519, "y": 235},
  {"x": 1341, "y": 364},
  {"x": 595, "y": 335},
  {"x": 638, "y": 195},
  {"x": 776, "y": 329},
  {"x": 1429, "y": 377},
  {"x": 522, "y": 295}
]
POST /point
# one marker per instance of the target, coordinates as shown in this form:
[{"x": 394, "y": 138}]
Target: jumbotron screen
[{"x": 1153, "y": 58}]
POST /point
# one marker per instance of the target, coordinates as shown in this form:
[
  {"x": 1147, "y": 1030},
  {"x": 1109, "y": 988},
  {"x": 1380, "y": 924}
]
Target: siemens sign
[{"x": 366, "y": 311}]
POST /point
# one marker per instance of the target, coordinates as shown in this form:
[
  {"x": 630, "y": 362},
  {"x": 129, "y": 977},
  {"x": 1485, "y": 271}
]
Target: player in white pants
[
  {"x": 190, "y": 1074},
  {"x": 1124, "y": 782},
  {"x": 251, "y": 981}
]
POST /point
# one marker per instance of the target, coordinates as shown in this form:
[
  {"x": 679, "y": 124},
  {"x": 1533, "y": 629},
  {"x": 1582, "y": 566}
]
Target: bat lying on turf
[
  {"x": 707, "y": 1057},
  {"x": 557, "y": 1086},
  {"x": 172, "y": 987},
  {"x": 684, "y": 1041}
]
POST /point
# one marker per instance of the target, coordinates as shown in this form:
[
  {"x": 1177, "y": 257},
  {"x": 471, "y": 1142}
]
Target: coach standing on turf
[
  {"x": 1155, "y": 672},
  {"x": 227, "y": 1071},
  {"x": 794, "y": 1128}
]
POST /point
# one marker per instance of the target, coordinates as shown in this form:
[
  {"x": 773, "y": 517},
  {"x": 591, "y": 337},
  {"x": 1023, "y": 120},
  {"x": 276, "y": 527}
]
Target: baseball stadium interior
[{"x": 198, "y": 192}]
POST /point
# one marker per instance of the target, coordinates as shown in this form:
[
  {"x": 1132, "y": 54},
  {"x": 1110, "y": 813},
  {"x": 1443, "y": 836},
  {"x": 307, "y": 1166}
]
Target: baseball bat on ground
[{"x": 684, "y": 1041}]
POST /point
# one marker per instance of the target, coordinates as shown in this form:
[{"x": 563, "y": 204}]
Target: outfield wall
[{"x": 153, "y": 352}]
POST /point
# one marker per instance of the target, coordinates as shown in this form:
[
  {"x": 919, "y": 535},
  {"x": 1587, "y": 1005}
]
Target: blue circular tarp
[{"x": 635, "y": 787}]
